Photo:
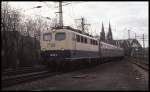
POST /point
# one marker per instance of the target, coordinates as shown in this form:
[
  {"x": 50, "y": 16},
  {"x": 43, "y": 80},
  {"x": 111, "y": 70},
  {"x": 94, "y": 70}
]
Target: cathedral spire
[
  {"x": 109, "y": 35},
  {"x": 102, "y": 34}
]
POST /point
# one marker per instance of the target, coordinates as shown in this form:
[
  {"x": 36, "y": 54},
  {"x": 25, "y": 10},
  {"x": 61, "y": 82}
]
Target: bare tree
[
  {"x": 9, "y": 24},
  {"x": 20, "y": 40}
]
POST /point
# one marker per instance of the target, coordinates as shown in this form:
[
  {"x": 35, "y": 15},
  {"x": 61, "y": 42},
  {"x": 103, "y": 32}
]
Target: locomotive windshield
[
  {"x": 47, "y": 37},
  {"x": 60, "y": 36}
]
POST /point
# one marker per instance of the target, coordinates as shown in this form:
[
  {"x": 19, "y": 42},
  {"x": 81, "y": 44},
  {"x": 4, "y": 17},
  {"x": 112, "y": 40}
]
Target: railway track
[
  {"x": 22, "y": 78},
  {"x": 12, "y": 72},
  {"x": 18, "y": 76},
  {"x": 10, "y": 79},
  {"x": 140, "y": 64}
]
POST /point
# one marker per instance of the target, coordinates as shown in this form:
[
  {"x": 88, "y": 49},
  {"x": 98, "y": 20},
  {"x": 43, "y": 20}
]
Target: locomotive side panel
[
  {"x": 82, "y": 47},
  {"x": 66, "y": 44}
]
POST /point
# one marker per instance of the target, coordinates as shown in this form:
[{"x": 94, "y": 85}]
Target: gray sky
[{"x": 123, "y": 16}]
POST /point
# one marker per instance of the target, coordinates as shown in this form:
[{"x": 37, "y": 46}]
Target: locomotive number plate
[{"x": 51, "y": 44}]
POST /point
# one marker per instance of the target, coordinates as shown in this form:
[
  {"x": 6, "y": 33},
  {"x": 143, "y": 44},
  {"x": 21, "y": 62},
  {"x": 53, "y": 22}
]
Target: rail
[
  {"x": 22, "y": 78},
  {"x": 139, "y": 63}
]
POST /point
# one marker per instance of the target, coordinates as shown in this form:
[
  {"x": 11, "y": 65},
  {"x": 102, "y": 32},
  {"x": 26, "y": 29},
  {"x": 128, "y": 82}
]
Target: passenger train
[{"x": 68, "y": 45}]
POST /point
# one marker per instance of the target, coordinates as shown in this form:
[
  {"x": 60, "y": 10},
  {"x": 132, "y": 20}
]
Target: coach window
[
  {"x": 47, "y": 36},
  {"x": 82, "y": 39},
  {"x": 85, "y": 40},
  {"x": 60, "y": 36},
  {"x": 96, "y": 42},
  {"x": 91, "y": 41},
  {"x": 78, "y": 38}
]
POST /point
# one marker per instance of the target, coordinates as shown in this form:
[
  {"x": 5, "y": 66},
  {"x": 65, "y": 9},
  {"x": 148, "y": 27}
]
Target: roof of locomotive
[{"x": 76, "y": 31}]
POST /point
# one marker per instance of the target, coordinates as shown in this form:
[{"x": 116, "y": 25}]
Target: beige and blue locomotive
[{"x": 69, "y": 44}]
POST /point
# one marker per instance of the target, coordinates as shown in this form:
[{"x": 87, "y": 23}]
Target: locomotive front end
[{"x": 53, "y": 45}]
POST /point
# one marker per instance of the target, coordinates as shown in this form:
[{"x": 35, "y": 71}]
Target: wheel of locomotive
[
  {"x": 87, "y": 63},
  {"x": 81, "y": 64},
  {"x": 84, "y": 63},
  {"x": 74, "y": 65},
  {"x": 58, "y": 65},
  {"x": 51, "y": 66},
  {"x": 66, "y": 66},
  {"x": 62, "y": 66},
  {"x": 96, "y": 61},
  {"x": 47, "y": 64}
]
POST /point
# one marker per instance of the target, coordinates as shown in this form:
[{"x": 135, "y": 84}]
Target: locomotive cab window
[
  {"x": 47, "y": 36},
  {"x": 78, "y": 38},
  {"x": 85, "y": 40},
  {"x": 82, "y": 39},
  {"x": 60, "y": 36},
  {"x": 91, "y": 41}
]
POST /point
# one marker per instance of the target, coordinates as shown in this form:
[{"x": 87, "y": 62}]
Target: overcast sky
[{"x": 123, "y": 16}]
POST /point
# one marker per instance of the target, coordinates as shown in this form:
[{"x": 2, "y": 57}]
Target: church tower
[
  {"x": 102, "y": 34},
  {"x": 109, "y": 35}
]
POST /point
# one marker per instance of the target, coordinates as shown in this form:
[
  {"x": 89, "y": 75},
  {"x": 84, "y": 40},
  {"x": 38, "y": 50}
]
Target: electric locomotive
[{"x": 68, "y": 44}]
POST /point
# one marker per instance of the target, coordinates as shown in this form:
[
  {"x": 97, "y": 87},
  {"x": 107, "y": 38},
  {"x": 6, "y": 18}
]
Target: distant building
[
  {"x": 132, "y": 47},
  {"x": 109, "y": 35},
  {"x": 102, "y": 34}
]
